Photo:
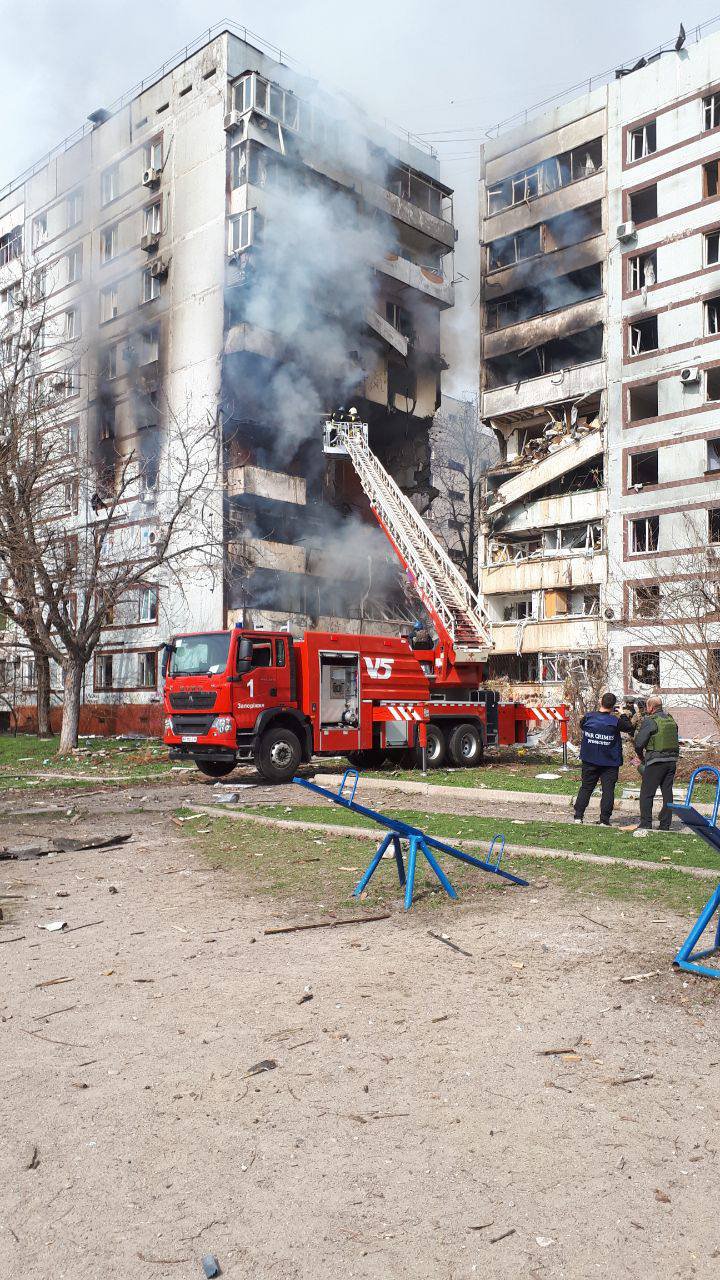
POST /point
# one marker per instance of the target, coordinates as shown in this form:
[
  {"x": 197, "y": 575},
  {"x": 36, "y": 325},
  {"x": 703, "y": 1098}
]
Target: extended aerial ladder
[{"x": 456, "y": 610}]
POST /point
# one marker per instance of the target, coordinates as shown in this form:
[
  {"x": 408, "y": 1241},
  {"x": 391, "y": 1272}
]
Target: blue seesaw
[
  {"x": 687, "y": 957},
  {"x": 418, "y": 842}
]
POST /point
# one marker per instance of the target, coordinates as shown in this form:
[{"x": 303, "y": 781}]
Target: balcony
[
  {"x": 431, "y": 283},
  {"x": 556, "y": 635},
  {"x": 543, "y": 513},
  {"x": 551, "y": 205},
  {"x": 546, "y": 327},
  {"x": 531, "y": 395},
  {"x": 546, "y": 573}
]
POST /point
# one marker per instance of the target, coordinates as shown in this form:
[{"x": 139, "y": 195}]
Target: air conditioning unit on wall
[
  {"x": 626, "y": 231},
  {"x": 232, "y": 121},
  {"x": 690, "y": 377},
  {"x": 151, "y": 177}
]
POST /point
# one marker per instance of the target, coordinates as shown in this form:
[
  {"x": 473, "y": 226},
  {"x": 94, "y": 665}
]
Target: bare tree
[
  {"x": 461, "y": 454},
  {"x": 75, "y": 537},
  {"x": 675, "y": 608}
]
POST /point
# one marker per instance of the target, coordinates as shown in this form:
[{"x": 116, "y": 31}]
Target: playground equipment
[
  {"x": 687, "y": 957},
  {"x": 419, "y": 842}
]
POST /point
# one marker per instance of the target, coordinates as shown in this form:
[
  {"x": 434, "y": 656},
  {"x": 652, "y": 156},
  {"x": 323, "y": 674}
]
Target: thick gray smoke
[{"x": 313, "y": 288}]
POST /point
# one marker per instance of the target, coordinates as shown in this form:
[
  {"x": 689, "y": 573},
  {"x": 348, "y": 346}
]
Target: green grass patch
[
  {"x": 611, "y": 842},
  {"x": 132, "y": 760},
  {"x": 314, "y": 871}
]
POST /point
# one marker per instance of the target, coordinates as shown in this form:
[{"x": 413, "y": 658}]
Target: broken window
[
  {"x": 712, "y": 315},
  {"x": 522, "y": 668},
  {"x": 710, "y": 179},
  {"x": 646, "y": 600},
  {"x": 402, "y": 384},
  {"x": 103, "y": 671},
  {"x": 645, "y": 666},
  {"x": 712, "y": 248},
  {"x": 643, "y": 401},
  {"x": 643, "y": 204},
  {"x": 110, "y": 184},
  {"x": 109, "y": 363},
  {"x": 109, "y": 243},
  {"x": 149, "y": 346},
  {"x": 10, "y": 245},
  {"x": 572, "y": 228},
  {"x": 511, "y": 249},
  {"x": 71, "y": 325},
  {"x": 642, "y": 271},
  {"x": 712, "y": 383},
  {"x": 711, "y": 111},
  {"x": 498, "y": 315},
  {"x": 643, "y": 336},
  {"x": 713, "y": 454},
  {"x": 714, "y": 524},
  {"x": 498, "y": 197},
  {"x": 525, "y": 186},
  {"x": 645, "y": 533},
  {"x": 147, "y": 670},
  {"x": 642, "y": 141},
  {"x": 399, "y": 318},
  {"x": 517, "y": 610},
  {"x": 644, "y": 468}
]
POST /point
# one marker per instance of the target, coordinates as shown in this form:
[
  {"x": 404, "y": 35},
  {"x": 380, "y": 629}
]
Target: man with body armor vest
[{"x": 657, "y": 748}]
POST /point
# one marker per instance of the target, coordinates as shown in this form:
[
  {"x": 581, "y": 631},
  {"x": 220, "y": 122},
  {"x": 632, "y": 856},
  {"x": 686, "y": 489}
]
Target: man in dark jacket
[
  {"x": 601, "y": 756},
  {"x": 657, "y": 746}
]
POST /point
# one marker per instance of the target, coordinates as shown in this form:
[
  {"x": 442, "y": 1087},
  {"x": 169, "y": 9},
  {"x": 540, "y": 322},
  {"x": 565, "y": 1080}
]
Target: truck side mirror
[
  {"x": 244, "y": 656},
  {"x": 167, "y": 650}
]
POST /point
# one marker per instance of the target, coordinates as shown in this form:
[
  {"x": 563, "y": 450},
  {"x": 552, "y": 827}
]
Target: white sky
[{"x": 461, "y": 65}]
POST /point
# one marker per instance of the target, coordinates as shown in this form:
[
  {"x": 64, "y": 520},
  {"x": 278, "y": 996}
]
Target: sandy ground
[{"x": 412, "y": 1127}]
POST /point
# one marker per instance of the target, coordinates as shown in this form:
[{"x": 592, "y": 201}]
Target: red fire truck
[{"x": 267, "y": 697}]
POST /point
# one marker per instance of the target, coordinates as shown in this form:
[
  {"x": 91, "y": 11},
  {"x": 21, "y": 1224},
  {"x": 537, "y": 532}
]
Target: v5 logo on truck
[{"x": 379, "y": 668}]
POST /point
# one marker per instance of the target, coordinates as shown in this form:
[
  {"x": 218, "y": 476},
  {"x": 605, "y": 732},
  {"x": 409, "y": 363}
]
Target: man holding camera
[
  {"x": 601, "y": 756},
  {"x": 657, "y": 747}
]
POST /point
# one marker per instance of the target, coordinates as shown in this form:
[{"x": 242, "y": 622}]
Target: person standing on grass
[
  {"x": 601, "y": 756},
  {"x": 657, "y": 747}
]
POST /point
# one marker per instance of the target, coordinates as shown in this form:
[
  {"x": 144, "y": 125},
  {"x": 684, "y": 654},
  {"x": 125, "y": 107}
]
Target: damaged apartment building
[
  {"x": 600, "y": 374},
  {"x": 231, "y": 240}
]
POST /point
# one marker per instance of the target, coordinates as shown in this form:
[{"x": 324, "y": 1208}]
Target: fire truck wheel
[
  {"x": 466, "y": 746},
  {"x": 278, "y": 755},
  {"x": 436, "y": 746},
  {"x": 216, "y": 768}
]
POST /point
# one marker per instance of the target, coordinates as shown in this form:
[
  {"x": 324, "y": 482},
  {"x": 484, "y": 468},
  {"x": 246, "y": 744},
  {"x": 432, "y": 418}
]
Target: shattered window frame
[
  {"x": 714, "y": 525},
  {"x": 636, "y": 332},
  {"x": 642, "y": 270},
  {"x": 152, "y": 218},
  {"x": 103, "y": 672},
  {"x": 712, "y": 315},
  {"x": 150, "y": 287},
  {"x": 645, "y": 666},
  {"x": 642, "y": 141},
  {"x": 711, "y": 179},
  {"x": 645, "y": 600},
  {"x": 109, "y": 243},
  {"x": 109, "y": 308},
  {"x": 640, "y": 461},
  {"x": 645, "y": 535}
]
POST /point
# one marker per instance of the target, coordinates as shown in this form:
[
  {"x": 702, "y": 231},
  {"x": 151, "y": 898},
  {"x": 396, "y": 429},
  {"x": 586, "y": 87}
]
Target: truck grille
[
  {"x": 199, "y": 725},
  {"x": 192, "y": 700}
]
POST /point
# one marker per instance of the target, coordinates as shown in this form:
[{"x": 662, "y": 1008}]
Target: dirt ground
[{"x": 412, "y": 1123}]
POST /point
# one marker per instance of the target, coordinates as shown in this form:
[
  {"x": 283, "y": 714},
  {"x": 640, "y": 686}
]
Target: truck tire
[
  {"x": 278, "y": 754},
  {"x": 466, "y": 746},
  {"x": 216, "y": 768},
  {"x": 436, "y": 747}
]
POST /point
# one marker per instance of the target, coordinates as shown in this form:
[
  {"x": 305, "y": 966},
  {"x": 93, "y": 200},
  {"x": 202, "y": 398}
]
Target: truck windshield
[{"x": 203, "y": 655}]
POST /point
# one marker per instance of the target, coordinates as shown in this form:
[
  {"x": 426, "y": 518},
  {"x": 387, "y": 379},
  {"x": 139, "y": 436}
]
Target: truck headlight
[
  {"x": 223, "y": 724},
  {"x": 168, "y": 725}
]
